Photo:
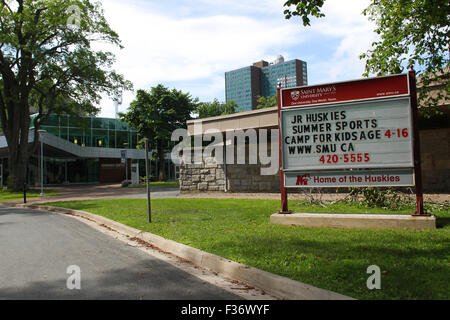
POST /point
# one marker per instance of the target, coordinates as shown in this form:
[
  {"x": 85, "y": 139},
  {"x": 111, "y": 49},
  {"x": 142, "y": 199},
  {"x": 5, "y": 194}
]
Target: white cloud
[
  {"x": 162, "y": 48},
  {"x": 195, "y": 44},
  {"x": 353, "y": 34}
]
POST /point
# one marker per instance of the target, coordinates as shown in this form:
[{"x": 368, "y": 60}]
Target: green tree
[
  {"x": 412, "y": 33},
  {"x": 266, "y": 102},
  {"x": 215, "y": 108},
  {"x": 156, "y": 114},
  {"x": 47, "y": 65}
]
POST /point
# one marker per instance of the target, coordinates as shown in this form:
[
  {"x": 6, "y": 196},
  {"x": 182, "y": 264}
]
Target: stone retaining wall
[{"x": 202, "y": 177}]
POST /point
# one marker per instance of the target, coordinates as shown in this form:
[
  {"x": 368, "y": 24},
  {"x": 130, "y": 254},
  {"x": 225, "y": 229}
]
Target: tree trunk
[
  {"x": 17, "y": 173},
  {"x": 16, "y": 129},
  {"x": 18, "y": 161},
  {"x": 160, "y": 149}
]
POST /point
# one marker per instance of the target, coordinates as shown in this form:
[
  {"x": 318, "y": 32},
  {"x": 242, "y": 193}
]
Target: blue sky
[{"x": 189, "y": 45}]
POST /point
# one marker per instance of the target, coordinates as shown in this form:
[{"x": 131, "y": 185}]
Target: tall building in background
[{"x": 245, "y": 84}]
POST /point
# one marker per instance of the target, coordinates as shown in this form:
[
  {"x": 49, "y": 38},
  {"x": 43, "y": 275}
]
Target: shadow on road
[{"x": 151, "y": 279}]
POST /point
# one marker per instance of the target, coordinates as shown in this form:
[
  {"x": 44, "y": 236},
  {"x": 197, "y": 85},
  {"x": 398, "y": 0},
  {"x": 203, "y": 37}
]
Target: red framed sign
[
  {"x": 355, "y": 90},
  {"x": 348, "y": 134},
  {"x": 362, "y": 134}
]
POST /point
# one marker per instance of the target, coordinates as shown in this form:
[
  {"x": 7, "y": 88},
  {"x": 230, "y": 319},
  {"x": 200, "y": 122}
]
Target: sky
[{"x": 190, "y": 44}]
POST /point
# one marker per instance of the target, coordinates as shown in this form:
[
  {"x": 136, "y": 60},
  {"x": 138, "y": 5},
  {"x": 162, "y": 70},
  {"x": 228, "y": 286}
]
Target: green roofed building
[{"x": 85, "y": 150}]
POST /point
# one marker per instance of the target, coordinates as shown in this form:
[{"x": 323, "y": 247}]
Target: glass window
[
  {"x": 77, "y": 122},
  {"x": 122, "y": 138},
  {"x": 100, "y": 138},
  {"x": 52, "y": 130},
  {"x": 53, "y": 120},
  {"x": 76, "y": 135}
]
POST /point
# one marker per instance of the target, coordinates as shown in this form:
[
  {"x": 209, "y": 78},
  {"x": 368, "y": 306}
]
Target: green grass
[
  {"x": 8, "y": 195},
  {"x": 159, "y": 184},
  {"x": 415, "y": 264}
]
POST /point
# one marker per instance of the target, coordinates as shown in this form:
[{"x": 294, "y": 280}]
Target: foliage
[
  {"x": 386, "y": 198},
  {"x": 266, "y": 102},
  {"x": 48, "y": 64},
  {"x": 215, "y": 108},
  {"x": 304, "y": 8},
  {"x": 412, "y": 33},
  {"x": 155, "y": 114}
]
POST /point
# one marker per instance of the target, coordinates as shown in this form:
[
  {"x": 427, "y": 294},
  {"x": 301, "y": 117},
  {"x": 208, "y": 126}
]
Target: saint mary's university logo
[{"x": 295, "y": 95}]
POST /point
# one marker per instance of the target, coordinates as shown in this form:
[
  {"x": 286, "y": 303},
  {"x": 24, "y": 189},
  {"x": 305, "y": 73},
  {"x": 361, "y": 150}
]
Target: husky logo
[
  {"x": 303, "y": 180},
  {"x": 295, "y": 95}
]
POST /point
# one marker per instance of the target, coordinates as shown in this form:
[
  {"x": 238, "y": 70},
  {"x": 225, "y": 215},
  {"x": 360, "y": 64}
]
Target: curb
[
  {"x": 356, "y": 220},
  {"x": 278, "y": 286}
]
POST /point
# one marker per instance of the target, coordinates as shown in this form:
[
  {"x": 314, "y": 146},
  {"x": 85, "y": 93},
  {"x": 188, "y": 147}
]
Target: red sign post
[{"x": 284, "y": 200}]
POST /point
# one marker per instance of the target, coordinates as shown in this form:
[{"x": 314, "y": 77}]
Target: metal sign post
[
  {"x": 41, "y": 134},
  {"x": 283, "y": 192},
  {"x": 123, "y": 159},
  {"x": 147, "y": 180}
]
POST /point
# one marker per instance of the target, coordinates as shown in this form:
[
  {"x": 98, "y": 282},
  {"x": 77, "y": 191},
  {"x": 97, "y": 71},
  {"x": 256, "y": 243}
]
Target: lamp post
[
  {"x": 41, "y": 134},
  {"x": 126, "y": 161},
  {"x": 147, "y": 181}
]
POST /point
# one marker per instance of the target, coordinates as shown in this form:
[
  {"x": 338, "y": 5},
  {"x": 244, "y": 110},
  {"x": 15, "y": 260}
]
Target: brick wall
[{"x": 435, "y": 153}]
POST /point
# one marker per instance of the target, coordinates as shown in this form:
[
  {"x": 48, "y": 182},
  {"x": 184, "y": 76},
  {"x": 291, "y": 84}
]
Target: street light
[
  {"x": 41, "y": 134},
  {"x": 148, "y": 181},
  {"x": 126, "y": 162}
]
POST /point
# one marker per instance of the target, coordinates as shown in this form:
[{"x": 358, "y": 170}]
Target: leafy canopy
[
  {"x": 266, "y": 102},
  {"x": 48, "y": 64},
  {"x": 46, "y": 53},
  {"x": 215, "y": 108},
  {"x": 412, "y": 33},
  {"x": 155, "y": 114}
]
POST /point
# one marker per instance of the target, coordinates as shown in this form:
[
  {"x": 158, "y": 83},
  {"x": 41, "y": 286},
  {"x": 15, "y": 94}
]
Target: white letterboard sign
[{"x": 368, "y": 134}]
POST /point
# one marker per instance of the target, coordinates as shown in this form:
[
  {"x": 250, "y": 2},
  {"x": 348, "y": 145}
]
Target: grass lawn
[
  {"x": 8, "y": 195},
  {"x": 159, "y": 184},
  {"x": 414, "y": 264}
]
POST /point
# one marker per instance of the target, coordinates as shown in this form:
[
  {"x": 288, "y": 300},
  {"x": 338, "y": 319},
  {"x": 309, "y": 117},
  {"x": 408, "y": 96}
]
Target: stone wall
[{"x": 202, "y": 177}]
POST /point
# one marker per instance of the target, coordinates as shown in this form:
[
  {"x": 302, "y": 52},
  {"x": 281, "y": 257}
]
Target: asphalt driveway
[{"x": 36, "y": 248}]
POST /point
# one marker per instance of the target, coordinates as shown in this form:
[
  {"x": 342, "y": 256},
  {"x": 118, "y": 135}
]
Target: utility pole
[
  {"x": 147, "y": 181},
  {"x": 41, "y": 134}
]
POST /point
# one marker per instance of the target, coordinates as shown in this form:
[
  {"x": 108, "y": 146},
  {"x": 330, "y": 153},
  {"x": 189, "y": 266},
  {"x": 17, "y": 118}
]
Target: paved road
[{"x": 37, "y": 247}]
